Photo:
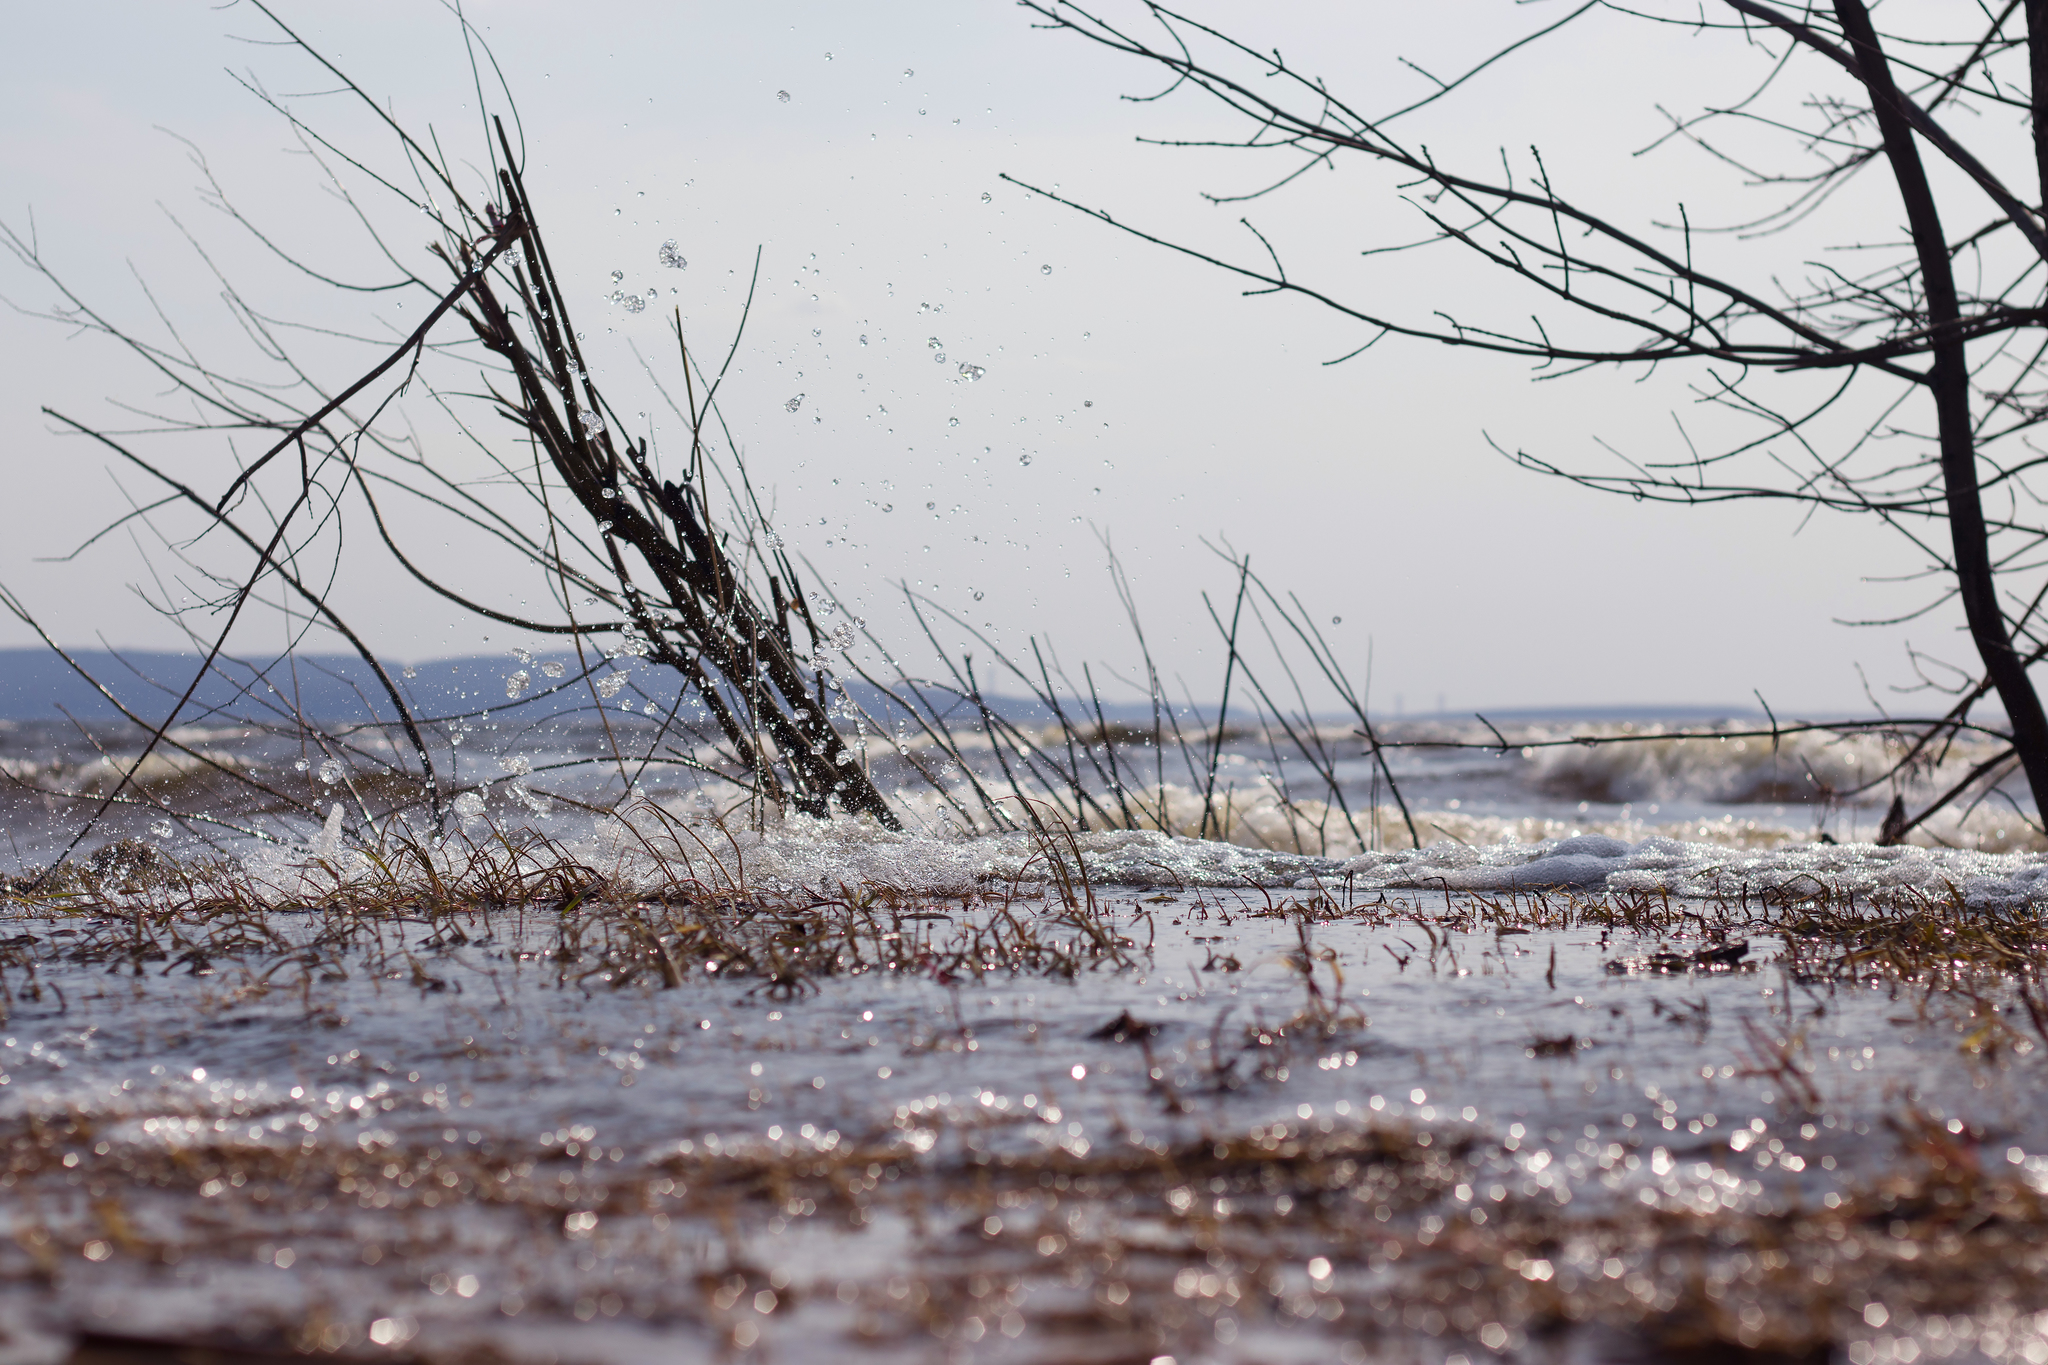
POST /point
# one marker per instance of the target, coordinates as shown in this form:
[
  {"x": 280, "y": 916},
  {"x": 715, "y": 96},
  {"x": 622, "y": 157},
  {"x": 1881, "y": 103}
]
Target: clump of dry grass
[{"x": 694, "y": 916}]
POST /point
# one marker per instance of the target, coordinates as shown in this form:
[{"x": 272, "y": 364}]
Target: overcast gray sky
[{"x": 1155, "y": 404}]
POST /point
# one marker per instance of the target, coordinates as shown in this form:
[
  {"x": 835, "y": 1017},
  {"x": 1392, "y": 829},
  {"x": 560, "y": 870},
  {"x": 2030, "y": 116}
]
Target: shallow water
[
  {"x": 1561, "y": 1143},
  {"x": 1617, "y": 1066}
]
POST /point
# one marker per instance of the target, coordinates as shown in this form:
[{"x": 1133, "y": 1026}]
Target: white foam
[
  {"x": 1662, "y": 866},
  {"x": 809, "y": 854},
  {"x": 654, "y": 847}
]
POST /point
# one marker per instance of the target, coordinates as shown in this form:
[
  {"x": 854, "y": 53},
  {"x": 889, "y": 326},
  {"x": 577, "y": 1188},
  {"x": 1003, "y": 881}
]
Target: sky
[{"x": 1130, "y": 395}]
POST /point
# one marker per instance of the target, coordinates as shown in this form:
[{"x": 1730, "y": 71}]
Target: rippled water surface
[{"x": 980, "y": 1119}]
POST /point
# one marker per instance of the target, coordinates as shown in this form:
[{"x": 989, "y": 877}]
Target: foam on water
[{"x": 644, "y": 849}]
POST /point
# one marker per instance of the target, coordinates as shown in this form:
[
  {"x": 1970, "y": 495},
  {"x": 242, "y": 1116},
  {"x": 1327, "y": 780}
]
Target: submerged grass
[{"x": 1379, "y": 1239}]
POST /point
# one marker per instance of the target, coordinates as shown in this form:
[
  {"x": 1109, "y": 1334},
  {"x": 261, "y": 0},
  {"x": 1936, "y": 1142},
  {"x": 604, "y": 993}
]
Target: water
[{"x": 819, "y": 1091}]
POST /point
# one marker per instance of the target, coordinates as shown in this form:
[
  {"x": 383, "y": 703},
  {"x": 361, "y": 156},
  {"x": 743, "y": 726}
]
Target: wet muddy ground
[{"x": 1219, "y": 1127}]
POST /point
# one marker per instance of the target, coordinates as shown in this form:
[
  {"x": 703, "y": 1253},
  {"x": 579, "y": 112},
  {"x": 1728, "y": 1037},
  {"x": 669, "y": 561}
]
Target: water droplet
[
  {"x": 670, "y": 255},
  {"x": 608, "y": 686},
  {"x": 591, "y": 421},
  {"x": 935, "y": 344},
  {"x": 522, "y": 656},
  {"x": 816, "y": 332},
  {"x": 863, "y": 338},
  {"x": 930, "y": 506},
  {"x": 519, "y": 765},
  {"x": 952, "y": 421},
  {"x": 940, "y": 357},
  {"x": 828, "y": 56},
  {"x": 1023, "y": 459},
  {"x": 775, "y": 542},
  {"x": 1045, "y": 270},
  {"x": 301, "y": 766},
  {"x": 330, "y": 771},
  {"x": 469, "y": 805},
  {"x": 908, "y": 73},
  {"x": 552, "y": 670},
  {"x": 888, "y": 507},
  {"x": 1336, "y": 620},
  {"x": 782, "y": 95},
  {"x": 793, "y": 404},
  {"x": 516, "y": 684},
  {"x": 161, "y": 829},
  {"x": 842, "y": 636},
  {"x": 633, "y": 303},
  {"x": 618, "y": 275},
  {"x": 986, "y": 197},
  {"x": 407, "y": 672},
  {"x": 1088, "y": 402},
  {"x": 970, "y": 373}
]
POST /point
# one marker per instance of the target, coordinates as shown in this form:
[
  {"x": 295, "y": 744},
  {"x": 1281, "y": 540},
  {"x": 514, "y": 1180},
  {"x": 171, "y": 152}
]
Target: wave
[
  {"x": 1736, "y": 770},
  {"x": 649, "y": 849}
]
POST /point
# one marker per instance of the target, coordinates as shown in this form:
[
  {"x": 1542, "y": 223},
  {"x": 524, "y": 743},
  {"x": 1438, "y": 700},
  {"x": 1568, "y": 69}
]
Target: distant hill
[
  {"x": 37, "y": 685},
  {"x": 338, "y": 689}
]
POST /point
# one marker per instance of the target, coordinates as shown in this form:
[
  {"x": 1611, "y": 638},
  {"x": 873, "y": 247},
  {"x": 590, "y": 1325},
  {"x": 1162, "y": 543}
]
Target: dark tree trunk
[
  {"x": 2037, "y": 68},
  {"x": 1949, "y": 382}
]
